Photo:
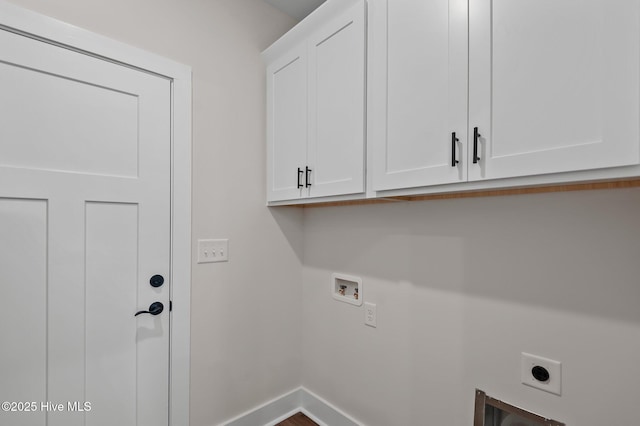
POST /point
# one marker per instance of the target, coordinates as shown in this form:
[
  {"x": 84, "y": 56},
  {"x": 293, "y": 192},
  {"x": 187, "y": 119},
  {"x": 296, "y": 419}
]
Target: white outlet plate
[
  {"x": 370, "y": 315},
  {"x": 210, "y": 251},
  {"x": 553, "y": 385}
]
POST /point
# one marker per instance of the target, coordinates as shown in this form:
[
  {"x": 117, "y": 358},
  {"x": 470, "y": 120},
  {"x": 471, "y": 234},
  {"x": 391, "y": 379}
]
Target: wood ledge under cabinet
[{"x": 588, "y": 186}]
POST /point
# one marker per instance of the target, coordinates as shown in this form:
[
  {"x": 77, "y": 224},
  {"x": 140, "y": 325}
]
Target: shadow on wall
[
  {"x": 575, "y": 251},
  {"x": 289, "y": 221}
]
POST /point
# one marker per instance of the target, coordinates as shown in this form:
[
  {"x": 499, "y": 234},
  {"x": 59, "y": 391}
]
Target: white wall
[
  {"x": 245, "y": 333},
  {"x": 462, "y": 287}
]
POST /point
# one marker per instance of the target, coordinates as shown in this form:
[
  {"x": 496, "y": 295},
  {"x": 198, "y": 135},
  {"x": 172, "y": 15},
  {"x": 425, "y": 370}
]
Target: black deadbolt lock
[
  {"x": 541, "y": 374},
  {"x": 156, "y": 281}
]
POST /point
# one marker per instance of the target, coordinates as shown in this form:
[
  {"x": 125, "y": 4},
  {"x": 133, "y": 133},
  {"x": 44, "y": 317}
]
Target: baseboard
[
  {"x": 298, "y": 400},
  {"x": 324, "y": 413}
]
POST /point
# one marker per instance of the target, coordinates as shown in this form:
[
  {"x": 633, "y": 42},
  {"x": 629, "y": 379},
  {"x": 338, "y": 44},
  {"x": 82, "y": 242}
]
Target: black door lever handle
[{"x": 154, "y": 309}]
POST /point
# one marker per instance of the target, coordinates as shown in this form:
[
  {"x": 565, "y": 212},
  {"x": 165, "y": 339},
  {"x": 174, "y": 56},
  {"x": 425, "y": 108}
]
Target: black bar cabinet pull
[
  {"x": 307, "y": 177},
  {"x": 453, "y": 149},
  {"x": 299, "y": 174},
  {"x": 476, "y": 135}
]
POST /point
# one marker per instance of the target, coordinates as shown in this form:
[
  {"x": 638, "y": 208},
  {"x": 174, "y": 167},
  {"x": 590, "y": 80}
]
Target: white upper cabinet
[
  {"x": 548, "y": 86},
  {"x": 461, "y": 94},
  {"x": 419, "y": 92},
  {"x": 316, "y": 105},
  {"x": 553, "y": 85}
]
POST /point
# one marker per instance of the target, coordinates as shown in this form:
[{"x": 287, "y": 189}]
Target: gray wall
[{"x": 464, "y": 286}]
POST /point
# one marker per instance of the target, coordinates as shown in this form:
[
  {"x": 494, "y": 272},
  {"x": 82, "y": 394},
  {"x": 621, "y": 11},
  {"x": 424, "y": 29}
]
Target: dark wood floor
[{"x": 298, "y": 419}]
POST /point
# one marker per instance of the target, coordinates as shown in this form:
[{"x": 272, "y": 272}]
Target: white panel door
[
  {"x": 287, "y": 126},
  {"x": 420, "y": 93},
  {"x": 336, "y": 105},
  {"x": 84, "y": 224},
  {"x": 553, "y": 85}
]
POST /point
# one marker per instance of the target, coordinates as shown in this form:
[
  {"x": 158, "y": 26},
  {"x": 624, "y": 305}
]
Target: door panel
[
  {"x": 554, "y": 85},
  {"x": 23, "y": 262},
  {"x": 418, "y": 65},
  {"x": 42, "y": 137},
  {"x": 336, "y": 105},
  {"x": 111, "y": 361},
  {"x": 424, "y": 45},
  {"x": 91, "y": 139},
  {"x": 287, "y": 137}
]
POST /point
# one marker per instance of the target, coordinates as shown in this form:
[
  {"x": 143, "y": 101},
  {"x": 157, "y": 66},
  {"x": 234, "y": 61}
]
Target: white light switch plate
[{"x": 210, "y": 251}]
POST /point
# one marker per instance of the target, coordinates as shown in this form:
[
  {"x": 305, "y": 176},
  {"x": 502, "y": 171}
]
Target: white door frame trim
[{"x": 35, "y": 25}]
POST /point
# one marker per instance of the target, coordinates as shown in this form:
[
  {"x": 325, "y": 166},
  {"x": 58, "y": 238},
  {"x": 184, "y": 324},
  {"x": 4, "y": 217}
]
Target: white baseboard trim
[{"x": 298, "y": 400}]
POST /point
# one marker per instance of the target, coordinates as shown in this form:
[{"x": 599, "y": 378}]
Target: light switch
[{"x": 210, "y": 251}]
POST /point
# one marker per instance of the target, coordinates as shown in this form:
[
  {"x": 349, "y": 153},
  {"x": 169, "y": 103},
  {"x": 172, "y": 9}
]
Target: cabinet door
[
  {"x": 553, "y": 85},
  {"x": 419, "y": 92},
  {"x": 336, "y": 105},
  {"x": 286, "y": 125}
]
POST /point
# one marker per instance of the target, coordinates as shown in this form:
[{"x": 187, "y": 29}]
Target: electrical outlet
[
  {"x": 210, "y": 251},
  {"x": 541, "y": 373},
  {"x": 370, "y": 316}
]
